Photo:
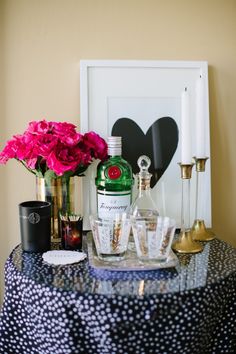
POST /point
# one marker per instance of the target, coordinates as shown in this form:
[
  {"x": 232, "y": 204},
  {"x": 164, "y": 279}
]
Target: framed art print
[{"x": 141, "y": 101}]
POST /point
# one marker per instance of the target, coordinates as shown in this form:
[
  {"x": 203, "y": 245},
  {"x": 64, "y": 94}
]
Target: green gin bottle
[{"x": 114, "y": 181}]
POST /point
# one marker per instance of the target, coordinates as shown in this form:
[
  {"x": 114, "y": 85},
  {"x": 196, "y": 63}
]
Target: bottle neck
[{"x": 144, "y": 185}]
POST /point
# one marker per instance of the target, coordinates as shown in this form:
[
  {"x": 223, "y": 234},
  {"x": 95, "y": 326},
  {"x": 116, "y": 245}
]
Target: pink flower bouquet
[{"x": 54, "y": 149}]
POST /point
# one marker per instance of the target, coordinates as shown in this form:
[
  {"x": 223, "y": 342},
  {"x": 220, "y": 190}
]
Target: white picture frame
[{"x": 111, "y": 89}]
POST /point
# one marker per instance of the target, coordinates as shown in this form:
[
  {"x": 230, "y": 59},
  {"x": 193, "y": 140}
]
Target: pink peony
[
  {"x": 96, "y": 145},
  {"x": 63, "y": 159},
  {"x": 72, "y": 139},
  {"x": 27, "y": 147},
  {"x": 10, "y": 150},
  {"x": 41, "y": 127},
  {"x": 45, "y": 144},
  {"x": 62, "y": 129}
]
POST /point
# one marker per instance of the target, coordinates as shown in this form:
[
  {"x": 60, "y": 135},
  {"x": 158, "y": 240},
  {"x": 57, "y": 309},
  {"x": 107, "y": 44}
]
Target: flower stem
[
  {"x": 68, "y": 206},
  {"x": 29, "y": 169}
]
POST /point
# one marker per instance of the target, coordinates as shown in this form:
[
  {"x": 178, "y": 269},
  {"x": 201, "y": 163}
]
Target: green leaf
[
  {"x": 49, "y": 175},
  {"x": 80, "y": 170},
  {"x": 68, "y": 174},
  {"x": 39, "y": 174}
]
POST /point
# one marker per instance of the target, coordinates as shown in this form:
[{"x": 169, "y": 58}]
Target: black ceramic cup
[{"x": 35, "y": 226}]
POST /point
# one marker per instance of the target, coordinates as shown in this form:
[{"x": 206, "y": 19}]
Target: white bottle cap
[{"x": 114, "y": 145}]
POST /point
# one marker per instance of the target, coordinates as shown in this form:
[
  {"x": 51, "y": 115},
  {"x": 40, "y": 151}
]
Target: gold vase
[{"x": 60, "y": 193}]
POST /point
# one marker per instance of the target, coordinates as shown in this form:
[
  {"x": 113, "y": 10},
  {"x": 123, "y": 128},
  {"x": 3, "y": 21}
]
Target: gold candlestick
[
  {"x": 185, "y": 242},
  {"x": 199, "y": 231}
]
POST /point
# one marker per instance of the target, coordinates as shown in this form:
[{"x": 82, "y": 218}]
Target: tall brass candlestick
[
  {"x": 185, "y": 242},
  {"x": 199, "y": 231}
]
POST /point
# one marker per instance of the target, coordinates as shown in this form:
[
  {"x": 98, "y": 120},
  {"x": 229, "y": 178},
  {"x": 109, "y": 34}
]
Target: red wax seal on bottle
[{"x": 114, "y": 172}]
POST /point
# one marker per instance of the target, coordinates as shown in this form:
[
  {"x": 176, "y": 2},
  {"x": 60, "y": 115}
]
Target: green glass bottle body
[{"x": 114, "y": 186}]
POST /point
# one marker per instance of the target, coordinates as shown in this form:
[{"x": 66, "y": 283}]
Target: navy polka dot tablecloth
[{"x": 75, "y": 309}]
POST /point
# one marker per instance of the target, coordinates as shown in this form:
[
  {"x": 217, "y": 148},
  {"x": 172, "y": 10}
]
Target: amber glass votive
[{"x": 71, "y": 229}]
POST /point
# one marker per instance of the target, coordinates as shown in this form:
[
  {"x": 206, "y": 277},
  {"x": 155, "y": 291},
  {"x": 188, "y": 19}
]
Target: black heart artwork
[{"x": 159, "y": 143}]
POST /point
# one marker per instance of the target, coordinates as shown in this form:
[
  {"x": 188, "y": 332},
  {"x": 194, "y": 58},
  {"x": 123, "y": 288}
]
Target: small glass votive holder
[
  {"x": 153, "y": 237},
  {"x": 71, "y": 229},
  {"x": 111, "y": 236}
]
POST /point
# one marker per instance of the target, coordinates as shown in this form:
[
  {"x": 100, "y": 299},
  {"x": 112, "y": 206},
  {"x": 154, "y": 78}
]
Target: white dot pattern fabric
[{"x": 72, "y": 309}]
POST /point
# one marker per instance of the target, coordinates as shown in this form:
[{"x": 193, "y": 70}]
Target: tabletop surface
[
  {"x": 77, "y": 309},
  {"x": 213, "y": 264}
]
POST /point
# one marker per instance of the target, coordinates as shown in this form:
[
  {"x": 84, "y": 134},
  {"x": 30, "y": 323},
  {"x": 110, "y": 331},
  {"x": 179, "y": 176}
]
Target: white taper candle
[
  {"x": 200, "y": 119},
  {"x": 186, "y": 148}
]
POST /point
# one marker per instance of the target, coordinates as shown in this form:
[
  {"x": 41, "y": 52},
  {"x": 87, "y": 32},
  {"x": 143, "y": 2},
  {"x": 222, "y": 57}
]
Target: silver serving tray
[{"x": 130, "y": 263}]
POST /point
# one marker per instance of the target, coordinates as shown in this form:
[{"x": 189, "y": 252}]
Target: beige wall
[
  {"x": 40, "y": 49},
  {"x": 3, "y": 227}
]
